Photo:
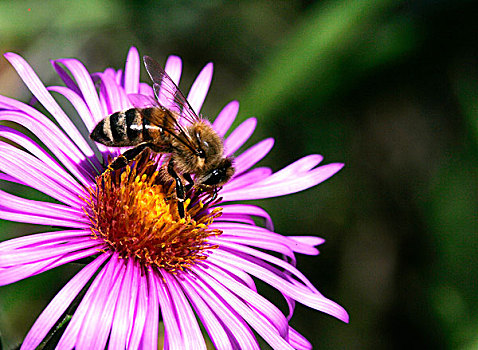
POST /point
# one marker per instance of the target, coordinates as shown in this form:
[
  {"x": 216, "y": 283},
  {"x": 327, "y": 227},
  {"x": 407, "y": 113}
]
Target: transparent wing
[{"x": 168, "y": 94}]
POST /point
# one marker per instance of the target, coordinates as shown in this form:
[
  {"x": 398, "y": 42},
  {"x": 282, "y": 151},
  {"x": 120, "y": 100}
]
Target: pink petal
[
  {"x": 97, "y": 324},
  {"x": 44, "y": 97},
  {"x": 151, "y": 330},
  {"x": 225, "y": 118},
  {"x": 60, "y": 303},
  {"x": 197, "y": 93},
  {"x": 252, "y": 155},
  {"x": 260, "y": 324},
  {"x": 235, "y": 325},
  {"x": 247, "y": 209},
  {"x": 189, "y": 328},
  {"x": 239, "y": 136},
  {"x": 131, "y": 71}
]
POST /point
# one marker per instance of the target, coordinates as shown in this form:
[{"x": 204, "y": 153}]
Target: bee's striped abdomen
[{"x": 119, "y": 129}]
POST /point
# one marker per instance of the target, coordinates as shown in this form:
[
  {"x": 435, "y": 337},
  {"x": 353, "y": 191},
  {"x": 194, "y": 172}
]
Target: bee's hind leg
[
  {"x": 124, "y": 159},
  {"x": 180, "y": 194}
]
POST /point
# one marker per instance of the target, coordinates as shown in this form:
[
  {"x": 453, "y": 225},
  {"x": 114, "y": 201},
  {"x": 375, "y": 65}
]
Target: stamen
[{"x": 135, "y": 213}]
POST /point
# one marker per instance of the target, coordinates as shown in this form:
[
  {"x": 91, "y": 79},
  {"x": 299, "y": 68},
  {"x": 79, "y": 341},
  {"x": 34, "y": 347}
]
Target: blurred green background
[{"x": 390, "y": 88}]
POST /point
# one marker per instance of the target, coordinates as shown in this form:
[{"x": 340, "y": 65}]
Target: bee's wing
[{"x": 167, "y": 92}]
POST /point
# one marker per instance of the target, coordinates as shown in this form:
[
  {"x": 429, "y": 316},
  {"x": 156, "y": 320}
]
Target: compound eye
[
  {"x": 200, "y": 153},
  {"x": 216, "y": 176}
]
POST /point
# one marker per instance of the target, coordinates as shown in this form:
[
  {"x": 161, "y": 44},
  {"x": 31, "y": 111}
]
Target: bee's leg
[
  {"x": 179, "y": 188},
  {"x": 124, "y": 159},
  {"x": 189, "y": 180}
]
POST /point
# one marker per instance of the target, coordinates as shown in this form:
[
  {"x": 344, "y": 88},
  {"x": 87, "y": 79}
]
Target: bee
[{"x": 174, "y": 128}]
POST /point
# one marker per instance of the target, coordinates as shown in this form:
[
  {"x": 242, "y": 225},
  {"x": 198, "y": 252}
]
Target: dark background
[{"x": 390, "y": 88}]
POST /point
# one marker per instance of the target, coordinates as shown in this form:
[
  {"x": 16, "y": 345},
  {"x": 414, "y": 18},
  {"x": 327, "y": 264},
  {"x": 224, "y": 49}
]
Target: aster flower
[{"x": 147, "y": 265}]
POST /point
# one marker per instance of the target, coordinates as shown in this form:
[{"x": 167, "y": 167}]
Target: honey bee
[{"x": 193, "y": 146}]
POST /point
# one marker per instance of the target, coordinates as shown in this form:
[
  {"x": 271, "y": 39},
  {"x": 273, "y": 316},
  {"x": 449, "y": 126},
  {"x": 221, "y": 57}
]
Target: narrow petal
[
  {"x": 198, "y": 92},
  {"x": 261, "y": 325},
  {"x": 115, "y": 97},
  {"x": 51, "y": 136},
  {"x": 225, "y": 118},
  {"x": 210, "y": 320},
  {"x": 42, "y": 238},
  {"x": 187, "y": 322},
  {"x": 173, "y": 68},
  {"x": 69, "y": 338},
  {"x": 19, "y": 272},
  {"x": 124, "y": 312},
  {"x": 87, "y": 88},
  {"x": 97, "y": 323},
  {"x": 293, "y": 184},
  {"x": 233, "y": 323},
  {"x": 35, "y": 85},
  {"x": 247, "y": 209},
  {"x": 170, "y": 318},
  {"x": 298, "y": 341},
  {"x": 40, "y": 208},
  {"x": 140, "y": 286},
  {"x": 250, "y": 177},
  {"x": 60, "y": 303},
  {"x": 239, "y": 136},
  {"x": 131, "y": 72},
  {"x": 15, "y": 162},
  {"x": 301, "y": 294},
  {"x": 252, "y": 155},
  {"x": 151, "y": 330},
  {"x": 263, "y": 306}
]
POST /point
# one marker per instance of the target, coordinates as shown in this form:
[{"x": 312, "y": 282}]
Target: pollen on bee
[{"x": 134, "y": 212}]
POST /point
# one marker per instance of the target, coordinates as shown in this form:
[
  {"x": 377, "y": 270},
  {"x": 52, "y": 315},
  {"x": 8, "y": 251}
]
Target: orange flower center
[{"x": 135, "y": 213}]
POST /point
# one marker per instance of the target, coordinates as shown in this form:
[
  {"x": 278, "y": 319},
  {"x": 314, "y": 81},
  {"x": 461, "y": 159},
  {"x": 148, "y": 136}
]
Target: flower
[{"x": 146, "y": 264}]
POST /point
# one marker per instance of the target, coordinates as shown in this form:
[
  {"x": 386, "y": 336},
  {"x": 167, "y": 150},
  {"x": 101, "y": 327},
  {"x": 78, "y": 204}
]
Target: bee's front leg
[
  {"x": 180, "y": 194},
  {"x": 190, "y": 181}
]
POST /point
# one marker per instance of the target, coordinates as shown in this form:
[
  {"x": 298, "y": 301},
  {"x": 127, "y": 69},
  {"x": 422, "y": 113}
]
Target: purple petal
[
  {"x": 247, "y": 209},
  {"x": 37, "y": 254},
  {"x": 197, "y": 93},
  {"x": 30, "y": 170},
  {"x": 189, "y": 328},
  {"x": 261, "y": 325},
  {"x": 60, "y": 303},
  {"x": 44, "y": 97},
  {"x": 50, "y": 135},
  {"x": 298, "y": 341},
  {"x": 287, "y": 186},
  {"x": 69, "y": 338},
  {"x": 44, "y": 209},
  {"x": 140, "y": 287},
  {"x": 146, "y": 90},
  {"x": 209, "y": 319},
  {"x": 131, "y": 71},
  {"x": 232, "y": 321},
  {"x": 173, "y": 68},
  {"x": 263, "y": 306},
  {"x": 124, "y": 312},
  {"x": 42, "y": 238},
  {"x": 170, "y": 318},
  {"x": 114, "y": 96},
  {"x": 141, "y": 101},
  {"x": 151, "y": 330},
  {"x": 236, "y": 230},
  {"x": 250, "y": 177},
  {"x": 97, "y": 323},
  {"x": 87, "y": 88},
  {"x": 298, "y": 292},
  {"x": 252, "y": 155},
  {"x": 225, "y": 118},
  {"x": 239, "y": 136},
  {"x": 19, "y": 272}
]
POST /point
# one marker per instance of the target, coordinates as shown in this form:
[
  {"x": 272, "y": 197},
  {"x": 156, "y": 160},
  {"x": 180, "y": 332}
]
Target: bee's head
[{"x": 218, "y": 175}]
